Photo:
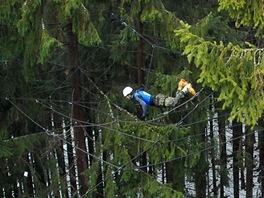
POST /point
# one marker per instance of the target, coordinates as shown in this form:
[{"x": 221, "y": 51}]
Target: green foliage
[
  {"x": 165, "y": 84},
  {"x": 224, "y": 171},
  {"x": 5, "y": 150},
  {"x": 22, "y": 145},
  {"x": 29, "y": 19},
  {"x": 151, "y": 188},
  {"x": 124, "y": 147},
  {"x": 84, "y": 27},
  {"x": 92, "y": 174},
  {"x": 154, "y": 12},
  {"x": 215, "y": 27},
  {"x": 150, "y": 15},
  {"x": 246, "y": 13},
  {"x": 222, "y": 67},
  {"x": 111, "y": 187},
  {"x": 231, "y": 70},
  {"x": 71, "y": 7},
  {"x": 46, "y": 46},
  {"x": 13, "y": 165}
]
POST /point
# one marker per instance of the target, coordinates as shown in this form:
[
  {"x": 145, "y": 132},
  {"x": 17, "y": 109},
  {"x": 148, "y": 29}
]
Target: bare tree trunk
[
  {"x": 223, "y": 154},
  {"x": 200, "y": 176},
  {"x": 91, "y": 131},
  {"x": 140, "y": 57},
  {"x": 249, "y": 162},
  {"x": 261, "y": 155},
  {"x": 79, "y": 134},
  {"x": 70, "y": 159},
  {"x": 213, "y": 154},
  {"x": 140, "y": 64},
  {"x": 242, "y": 165},
  {"x": 237, "y": 131}
]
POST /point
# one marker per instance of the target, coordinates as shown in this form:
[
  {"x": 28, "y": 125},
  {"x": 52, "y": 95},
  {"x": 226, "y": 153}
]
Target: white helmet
[{"x": 127, "y": 91}]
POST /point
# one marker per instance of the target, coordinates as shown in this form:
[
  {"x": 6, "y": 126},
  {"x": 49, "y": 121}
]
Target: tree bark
[
  {"x": 223, "y": 154},
  {"x": 140, "y": 64},
  {"x": 140, "y": 57},
  {"x": 213, "y": 155},
  {"x": 200, "y": 177},
  {"x": 261, "y": 155},
  {"x": 237, "y": 131},
  {"x": 249, "y": 162},
  {"x": 77, "y": 111}
]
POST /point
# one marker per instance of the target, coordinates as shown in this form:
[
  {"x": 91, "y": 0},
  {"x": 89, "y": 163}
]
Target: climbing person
[{"x": 145, "y": 99}]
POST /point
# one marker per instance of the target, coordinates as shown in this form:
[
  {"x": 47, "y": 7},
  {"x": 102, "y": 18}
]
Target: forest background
[{"x": 67, "y": 131}]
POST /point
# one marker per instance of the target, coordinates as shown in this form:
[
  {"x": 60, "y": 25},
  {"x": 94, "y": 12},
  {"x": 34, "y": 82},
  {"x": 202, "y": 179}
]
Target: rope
[
  {"x": 50, "y": 133},
  {"x": 157, "y": 142},
  {"x": 180, "y": 105},
  {"x": 140, "y": 35},
  {"x": 150, "y": 63},
  {"x": 200, "y": 150}
]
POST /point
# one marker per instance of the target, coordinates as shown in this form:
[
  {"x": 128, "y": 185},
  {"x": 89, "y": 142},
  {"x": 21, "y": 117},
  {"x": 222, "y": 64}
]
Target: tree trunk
[
  {"x": 77, "y": 112},
  {"x": 91, "y": 131},
  {"x": 140, "y": 57},
  {"x": 223, "y": 154},
  {"x": 175, "y": 174},
  {"x": 140, "y": 64},
  {"x": 237, "y": 131},
  {"x": 242, "y": 165},
  {"x": 200, "y": 177},
  {"x": 261, "y": 155},
  {"x": 213, "y": 155},
  {"x": 249, "y": 162},
  {"x": 70, "y": 159}
]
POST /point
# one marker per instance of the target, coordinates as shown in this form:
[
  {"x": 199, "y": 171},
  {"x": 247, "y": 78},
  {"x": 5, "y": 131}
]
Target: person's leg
[
  {"x": 160, "y": 100},
  {"x": 171, "y": 102}
]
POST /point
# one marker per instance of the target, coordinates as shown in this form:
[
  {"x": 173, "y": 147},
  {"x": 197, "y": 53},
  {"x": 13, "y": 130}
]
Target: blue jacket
[{"x": 144, "y": 99}]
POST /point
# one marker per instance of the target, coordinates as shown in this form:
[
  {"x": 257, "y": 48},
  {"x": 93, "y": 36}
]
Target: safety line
[
  {"x": 50, "y": 133},
  {"x": 103, "y": 125},
  {"x": 200, "y": 150},
  {"x": 80, "y": 65},
  {"x": 134, "y": 158},
  {"x": 140, "y": 35},
  {"x": 178, "y": 106},
  {"x": 150, "y": 63}
]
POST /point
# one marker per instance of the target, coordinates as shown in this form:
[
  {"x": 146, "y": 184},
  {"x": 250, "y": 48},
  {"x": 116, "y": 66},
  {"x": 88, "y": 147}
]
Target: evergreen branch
[
  {"x": 24, "y": 137},
  {"x": 48, "y": 132}
]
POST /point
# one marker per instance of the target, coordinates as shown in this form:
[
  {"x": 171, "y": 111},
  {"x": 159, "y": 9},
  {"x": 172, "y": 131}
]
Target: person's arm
[{"x": 144, "y": 106}]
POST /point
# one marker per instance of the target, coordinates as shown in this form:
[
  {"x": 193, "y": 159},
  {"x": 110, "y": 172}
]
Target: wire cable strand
[
  {"x": 145, "y": 150},
  {"x": 50, "y": 133},
  {"x": 178, "y": 106},
  {"x": 199, "y": 151},
  {"x": 144, "y": 38}
]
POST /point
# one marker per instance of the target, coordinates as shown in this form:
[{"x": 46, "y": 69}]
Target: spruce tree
[{"x": 114, "y": 44}]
